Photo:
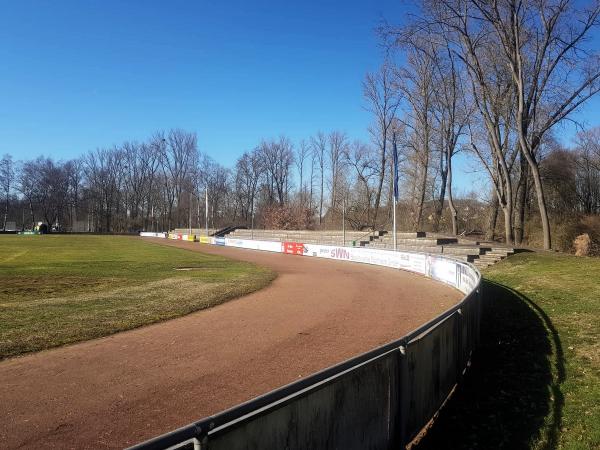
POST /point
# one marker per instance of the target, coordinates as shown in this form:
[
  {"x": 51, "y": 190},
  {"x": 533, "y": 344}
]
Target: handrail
[{"x": 231, "y": 418}]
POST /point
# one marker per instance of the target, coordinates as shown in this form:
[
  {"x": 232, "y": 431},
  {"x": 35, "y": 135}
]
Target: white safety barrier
[
  {"x": 450, "y": 271},
  {"x": 156, "y": 235},
  {"x": 456, "y": 273}
]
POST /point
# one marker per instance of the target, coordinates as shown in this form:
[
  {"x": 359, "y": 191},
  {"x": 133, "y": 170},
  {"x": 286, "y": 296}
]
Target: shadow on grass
[{"x": 510, "y": 397}]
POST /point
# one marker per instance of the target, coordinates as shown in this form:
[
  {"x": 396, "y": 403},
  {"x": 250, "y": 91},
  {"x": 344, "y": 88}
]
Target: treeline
[
  {"x": 150, "y": 185},
  {"x": 161, "y": 184},
  {"x": 492, "y": 81}
]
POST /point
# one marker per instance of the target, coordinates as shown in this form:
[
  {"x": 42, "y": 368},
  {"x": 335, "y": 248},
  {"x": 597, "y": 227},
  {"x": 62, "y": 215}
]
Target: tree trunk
[
  {"x": 508, "y": 224},
  {"x": 539, "y": 192},
  {"x": 5, "y": 213},
  {"x": 32, "y": 214},
  {"x": 519, "y": 224},
  {"x": 539, "y": 189},
  {"x": 443, "y": 186},
  {"x": 491, "y": 231},
  {"x": 419, "y": 215},
  {"x": 380, "y": 183},
  {"x": 453, "y": 213}
]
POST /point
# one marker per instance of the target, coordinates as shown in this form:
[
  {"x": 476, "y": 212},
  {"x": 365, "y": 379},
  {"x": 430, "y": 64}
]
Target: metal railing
[{"x": 380, "y": 399}]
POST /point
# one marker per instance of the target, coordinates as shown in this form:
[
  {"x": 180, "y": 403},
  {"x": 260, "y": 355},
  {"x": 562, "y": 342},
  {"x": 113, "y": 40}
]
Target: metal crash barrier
[{"x": 379, "y": 400}]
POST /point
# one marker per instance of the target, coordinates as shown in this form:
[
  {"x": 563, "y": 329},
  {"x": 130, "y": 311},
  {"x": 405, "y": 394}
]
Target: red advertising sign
[{"x": 293, "y": 248}]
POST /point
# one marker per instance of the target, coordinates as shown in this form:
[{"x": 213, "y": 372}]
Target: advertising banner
[
  {"x": 205, "y": 239},
  {"x": 443, "y": 269},
  {"x": 293, "y": 248},
  {"x": 414, "y": 262}
]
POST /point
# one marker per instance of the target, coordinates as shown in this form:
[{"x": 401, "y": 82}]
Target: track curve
[{"x": 122, "y": 389}]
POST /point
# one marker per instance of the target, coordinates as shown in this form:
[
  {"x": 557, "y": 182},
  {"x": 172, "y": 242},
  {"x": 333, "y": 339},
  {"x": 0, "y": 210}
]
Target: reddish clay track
[{"x": 120, "y": 390}]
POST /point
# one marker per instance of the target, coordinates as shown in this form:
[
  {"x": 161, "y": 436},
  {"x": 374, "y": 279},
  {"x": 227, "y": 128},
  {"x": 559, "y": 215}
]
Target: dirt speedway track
[{"x": 119, "y": 390}]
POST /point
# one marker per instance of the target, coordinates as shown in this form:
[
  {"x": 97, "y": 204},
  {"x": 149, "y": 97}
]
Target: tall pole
[
  {"x": 395, "y": 186},
  {"x": 206, "y": 210},
  {"x": 395, "y": 241},
  {"x": 344, "y": 220},
  {"x": 198, "y": 213},
  {"x": 190, "y": 213},
  {"x": 252, "y": 224}
]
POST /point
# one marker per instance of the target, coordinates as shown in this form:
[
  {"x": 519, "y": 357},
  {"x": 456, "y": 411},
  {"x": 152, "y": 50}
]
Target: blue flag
[{"x": 395, "y": 154}]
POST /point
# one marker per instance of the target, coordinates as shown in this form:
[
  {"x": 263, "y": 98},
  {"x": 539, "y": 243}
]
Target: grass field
[
  {"x": 535, "y": 381},
  {"x": 58, "y": 289}
]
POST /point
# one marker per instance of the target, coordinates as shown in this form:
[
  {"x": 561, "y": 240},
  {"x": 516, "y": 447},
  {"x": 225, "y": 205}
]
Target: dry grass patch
[{"x": 66, "y": 289}]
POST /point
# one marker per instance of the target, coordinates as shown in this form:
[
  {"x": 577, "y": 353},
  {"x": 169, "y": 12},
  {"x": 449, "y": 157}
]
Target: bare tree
[
  {"x": 587, "y": 166},
  {"x": 450, "y": 117},
  {"x": 27, "y": 184},
  {"x": 337, "y": 146},
  {"x": 178, "y": 158},
  {"x": 311, "y": 178},
  {"x": 136, "y": 175},
  {"x": 102, "y": 169},
  {"x": 319, "y": 144},
  {"x": 417, "y": 85},
  {"x": 302, "y": 153},
  {"x": 7, "y": 175},
  {"x": 278, "y": 157},
  {"x": 491, "y": 92},
  {"x": 363, "y": 163},
  {"x": 247, "y": 176},
  {"x": 543, "y": 46},
  {"x": 74, "y": 174},
  {"x": 383, "y": 99}
]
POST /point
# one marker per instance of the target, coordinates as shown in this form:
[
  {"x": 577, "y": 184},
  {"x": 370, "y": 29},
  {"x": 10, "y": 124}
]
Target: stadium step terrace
[{"x": 481, "y": 254}]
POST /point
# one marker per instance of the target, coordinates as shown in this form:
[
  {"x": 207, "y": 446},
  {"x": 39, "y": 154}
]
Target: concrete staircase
[
  {"x": 492, "y": 255},
  {"x": 481, "y": 254}
]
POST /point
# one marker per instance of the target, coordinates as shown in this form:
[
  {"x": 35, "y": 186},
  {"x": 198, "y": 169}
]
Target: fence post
[
  {"x": 201, "y": 438},
  {"x": 461, "y": 354},
  {"x": 404, "y": 395}
]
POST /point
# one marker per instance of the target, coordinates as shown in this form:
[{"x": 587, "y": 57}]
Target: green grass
[
  {"x": 58, "y": 289},
  {"x": 535, "y": 380}
]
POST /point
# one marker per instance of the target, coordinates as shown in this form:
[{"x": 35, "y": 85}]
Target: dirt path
[{"x": 122, "y": 389}]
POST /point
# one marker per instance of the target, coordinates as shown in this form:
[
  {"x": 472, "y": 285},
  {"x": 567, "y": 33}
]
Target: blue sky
[{"x": 77, "y": 75}]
